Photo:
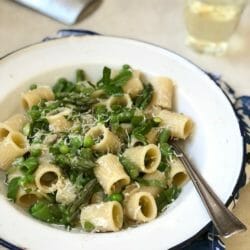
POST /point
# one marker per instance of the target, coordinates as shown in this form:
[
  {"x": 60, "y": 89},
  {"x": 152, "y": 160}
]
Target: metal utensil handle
[{"x": 223, "y": 219}]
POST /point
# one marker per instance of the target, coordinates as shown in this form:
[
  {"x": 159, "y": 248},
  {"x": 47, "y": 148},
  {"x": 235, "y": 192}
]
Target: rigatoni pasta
[
  {"x": 179, "y": 125},
  {"x": 124, "y": 101},
  {"x": 163, "y": 92},
  {"x": 13, "y": 146},
  {"x": 58, "y": 121},
  {"x": 105, "y": 216},
  {"x": 141, "y": 207},
  {"x": 177, "y": 175},
  {"x": 106, "y": 141},
  {"x": 134, "y": 85},
  {"x": 14, "y": 123},
  {"x": 34, "y": 96},
  {"x": 95, "y": 156},
  {"x": 147, "y": 158},
  {"x": 47, "y": 177},
  {"x": 110, "y": 174}
]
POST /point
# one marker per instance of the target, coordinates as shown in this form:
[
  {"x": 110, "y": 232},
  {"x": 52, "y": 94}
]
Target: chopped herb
[
  {"x": 166, "y": 197},
  {"x": 13, "y": 188}
]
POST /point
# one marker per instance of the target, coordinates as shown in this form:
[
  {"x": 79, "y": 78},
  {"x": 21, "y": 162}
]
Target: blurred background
[{"x": 160, "y": 22}]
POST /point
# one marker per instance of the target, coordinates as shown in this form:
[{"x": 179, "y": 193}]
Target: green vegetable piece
[
  {"x": 88, "y": 141},
  {"x": 114, "y": 86},
  {"x": 26, "y": 129},
  {"x": 88, "y": 226},
  {"x": 13, "y": 188},
  {"x": 60, "y": 85},
  {"x": 64, "y": 149},
  {"x": 125, "y": 116},
  {"x": 166, "y": 150},
  {"x": 75, "y": 142},
  {"x": 156, "y": 121},
  {"x": 144, "y": 97},
  {"x": 82, "y": 199},
  {"x": 35, "y": 150},
  {"x": 163, "y": 166},
  {"x": 33, "y": 86},
  {"x": 62, "y": 160},
  {"x": 116, "y": 197},
  {"x": 106, "y": 73},
  {"x": 131, "y": 169},
  {"x": 28, "y": 178},
  {"x": 45, "y": 211},
  {"x": 166, "y": 197},
  {"x": 164, "y": 136},
  {"x": 122, "y": 77},
  {"x": 30, "y": 165},
  {"x": 34, "y": 113},
  {"x": 80, "y": 75},
  {"x": 136, "y": 120},
  {"x": 140, "y": 131}
]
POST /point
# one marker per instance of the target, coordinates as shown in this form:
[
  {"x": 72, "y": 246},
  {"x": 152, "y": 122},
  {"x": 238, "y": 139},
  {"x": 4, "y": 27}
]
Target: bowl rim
[{"x": 82, "y": 33}]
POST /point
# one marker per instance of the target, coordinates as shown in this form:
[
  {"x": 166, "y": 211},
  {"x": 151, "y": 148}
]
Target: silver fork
[{"x": 223, "y": 219}]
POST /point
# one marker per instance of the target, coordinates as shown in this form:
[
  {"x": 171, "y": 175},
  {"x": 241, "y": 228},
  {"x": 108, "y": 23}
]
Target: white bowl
[{"x": 216, "y": 147}]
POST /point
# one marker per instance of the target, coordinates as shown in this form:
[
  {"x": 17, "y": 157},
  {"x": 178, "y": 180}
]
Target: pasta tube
[
  {"x": 27, "y": 196},
  {"x": 151, "y": 136},
  {"x": 106, "y": 141},
  {"x": 154, "y": 190},
  {"x": 134, "y": 85},
  {"x": 33, "y": 97},
  {"x": 124, "y": 101},
  {"x": 147, "y": 158},
  {"x": 105, "y": 216},
  {"x": 178, "y": 175},
  {"x": 179, "y": 125},
  {"x": 110, "y": 174},
  {"x": 140, "y": 207},
  {"x": 163, "y": 92},
  {"x": 13, "y": 146},
  {"x": 58, "y": 122},
  {"x": 47, "y": 178},
  {"x": 14, "y": 123}
]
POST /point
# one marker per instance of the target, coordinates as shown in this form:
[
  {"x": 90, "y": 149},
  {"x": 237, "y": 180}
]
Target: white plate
[{"x": 216, "y": 147}]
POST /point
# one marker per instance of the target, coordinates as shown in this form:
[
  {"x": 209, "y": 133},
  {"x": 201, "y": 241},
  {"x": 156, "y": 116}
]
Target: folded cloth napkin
[
  {"x": 62, "y": 10},
  {"x": 208, "y": 239}
]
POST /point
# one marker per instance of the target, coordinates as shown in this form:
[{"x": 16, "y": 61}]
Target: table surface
[{"x": 159, "y": 22}]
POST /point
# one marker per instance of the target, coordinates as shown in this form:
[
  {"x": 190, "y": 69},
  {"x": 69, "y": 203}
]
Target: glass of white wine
[{"x": 210, "y": 23}]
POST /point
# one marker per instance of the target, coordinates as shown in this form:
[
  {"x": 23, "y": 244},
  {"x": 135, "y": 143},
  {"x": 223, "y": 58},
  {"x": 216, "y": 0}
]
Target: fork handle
[{"x": 223, "y": 219}]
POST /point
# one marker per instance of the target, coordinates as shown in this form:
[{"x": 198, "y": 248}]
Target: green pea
[
  {"x": 64, "y": 149},
  {"x": 157, "y": 120},
  {"x": 116, "y": 197},
  {"x": 26, "y": 129},
  {"x": 88, "y": 141}
]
